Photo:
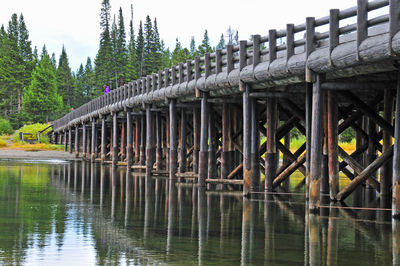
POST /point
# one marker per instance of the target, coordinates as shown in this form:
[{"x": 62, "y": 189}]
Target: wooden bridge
[{"x": 203, "y": 118}]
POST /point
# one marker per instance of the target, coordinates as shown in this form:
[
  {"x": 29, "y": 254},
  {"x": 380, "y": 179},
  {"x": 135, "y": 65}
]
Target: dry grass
[
  {"x": 36, "y": 147},
  {"x": 3, "y": 143}
]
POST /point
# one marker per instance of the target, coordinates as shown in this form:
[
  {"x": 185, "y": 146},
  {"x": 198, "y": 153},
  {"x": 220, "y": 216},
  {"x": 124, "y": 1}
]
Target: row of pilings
[{"x": 234, "y": 141}]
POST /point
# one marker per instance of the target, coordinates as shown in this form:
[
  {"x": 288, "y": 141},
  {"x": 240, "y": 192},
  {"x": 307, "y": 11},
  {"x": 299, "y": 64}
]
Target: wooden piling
[
  {"x": 324, "y": 185},
  {"x": 316, "y": 144},
  {"x": 247, "y": 141},
  {"x": 129, "y": 139},
  {"x": 84, "y": 137},
  {"x": 94, "y": 141},
  {"x": 183, "y": 151},
  {"x": 65, "y": 141},
  {"x": 226, "y": 155},
  {"x": 272, "y": 154},
  {"x": 396, "y": 157},
  {"x": 254, "y": 149},
  {"x": 76, "y": 141},
  {"x": 115, "y": 140},
  {"x": 386, "y": 170},
  {"x": 309, "y": 95},
  {"x": 149, "y": 141},
  {"x": 137, "y": 140},
  {"x": 203, "y": 153},
  {"x": 212, "y": 145},
  {"x": 122, "y": 148},
  {"x": 196, "y": 139},
  {"x": 173, "y": 131},
  {"x": 159, "y": 159},
  {"x": 286, "y": 161},
  {"x": 103, "y": 140},
  {"x": 142, "y": 156},
  {"x": 333, "y": 160}
]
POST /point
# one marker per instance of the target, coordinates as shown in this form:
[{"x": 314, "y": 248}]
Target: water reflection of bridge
[{"x": 156, "y": 220}]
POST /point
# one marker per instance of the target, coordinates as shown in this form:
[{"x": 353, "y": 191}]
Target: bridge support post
[
  {"x": 149, "y": 141},
  {"x": 308, "y": 108},
  {"x": 333, "y": 139},
  {"x": 286, "y": 161},
  {"x": 76, "y": 141},
  {"x": 159, "y": 156},
  {"x": 255, "y": 144},
  {"x": 167, "y": 142},
  {"x": 122, "y": 147},
  {"x": 137, "y": 140},
  {"x": 115, "y": 140},
  {"x": 142, "y": 157},
  {"x": 212, "y": 145},
  {"x": 196, "y": 139},
  {"x": 84, "y": 138},
  {"x": 203, "y": 153},
  {"x": 324, "y": 185},
  {"x": 246, "y": 141},
  {"x": 65, "y": 141},
  {"x": 396, "y": 157},
  {"x": 272, "y": 154},
  {"x": 70, "y": 140},
  {"x": 316, "y": 144},
  {"x": 103, "y": 140},
  {"x": 94, "y": 140},
  {"x": 182, "y": 151},
  {"x": 173, "y": 131},
  {"x": 129, "y": 139},
  {"x": 226, "y": 155},
  {"x": 386, "y": 170}
]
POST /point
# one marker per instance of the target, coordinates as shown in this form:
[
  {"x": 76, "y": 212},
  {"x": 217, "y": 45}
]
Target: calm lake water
[{"x": 72, "y": 213}]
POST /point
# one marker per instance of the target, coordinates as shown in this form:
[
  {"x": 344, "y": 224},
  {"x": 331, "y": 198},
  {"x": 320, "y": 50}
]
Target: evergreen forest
[{"x": 37, "y": 87}]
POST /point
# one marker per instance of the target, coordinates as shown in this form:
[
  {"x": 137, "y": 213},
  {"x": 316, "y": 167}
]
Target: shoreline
[{"x": 41, "y": 154}]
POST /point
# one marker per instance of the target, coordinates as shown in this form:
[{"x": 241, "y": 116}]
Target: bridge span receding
[{"x": 203, "y": 118}]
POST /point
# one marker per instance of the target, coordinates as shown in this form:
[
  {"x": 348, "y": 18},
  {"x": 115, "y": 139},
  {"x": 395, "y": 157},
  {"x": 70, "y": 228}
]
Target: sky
[{"x": 75, "y": 23}]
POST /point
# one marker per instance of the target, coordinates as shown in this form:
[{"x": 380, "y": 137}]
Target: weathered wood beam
[
  {"x": 289, "y": 170},
  {"x": 173, "y": 131},
  {"x": 203, "y": 153},
  {"x": 365, "y": 174},
  {"x": 396, "y": 156},
  {"x": 333, "y": 141}
]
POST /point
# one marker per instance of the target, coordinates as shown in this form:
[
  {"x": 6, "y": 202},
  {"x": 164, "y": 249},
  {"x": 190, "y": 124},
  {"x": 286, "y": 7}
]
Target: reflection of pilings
[
  {"x": 93, "y": 168},
  {"x": 314, "y": 240},
  {"x": 83, "y": 178},
  {"x": 128, "y": 195},
  {"x": 148, "y": 205},
  {"x": 171, "y": 214},
  {"x": 244, "y": 257},
  {"x": 194, "y": 211},
  {"x": 113, "y": 190},
  {"x": 75, "y": 175},
  {"x": 202, "y": 218},
  {"x": 102, "y": 174},
  {"x": 333, "y": 235},
  {"x": 269, "y": 227},
  {"x": 396, "y": 241}
]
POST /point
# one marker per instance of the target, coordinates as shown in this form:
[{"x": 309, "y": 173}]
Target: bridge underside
[{"x": 222, "y": 120}]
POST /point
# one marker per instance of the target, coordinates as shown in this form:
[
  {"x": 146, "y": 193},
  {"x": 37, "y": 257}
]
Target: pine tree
[
  {"x": 156, "y": 48},
  {"x": 193, "y": 50},
  {"x": 221, "y": 44},
  {"x": 114, "y": 45},
  {"x": 148, "y": 60},
  {"x": 54, "y": 60},
  {"x": 131, "y": 66},
  {"x": 205, "y": 45},
  {"x": 179, "y": 55},
  {"x": 140, "y": 50},
  {"x": 64, "y": 80},
  {"x": 103, "y": 61},
  {"x": 41, "y": 102},
  {"x": 121, "y": 50}
]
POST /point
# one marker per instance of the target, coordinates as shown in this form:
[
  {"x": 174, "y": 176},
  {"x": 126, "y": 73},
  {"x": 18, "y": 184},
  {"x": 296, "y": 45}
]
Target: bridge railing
[{"x": 258, "y": 60}]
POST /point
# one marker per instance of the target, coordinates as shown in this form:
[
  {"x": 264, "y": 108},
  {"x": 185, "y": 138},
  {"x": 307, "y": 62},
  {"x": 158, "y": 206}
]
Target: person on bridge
[{"x": 106, "y": 89}]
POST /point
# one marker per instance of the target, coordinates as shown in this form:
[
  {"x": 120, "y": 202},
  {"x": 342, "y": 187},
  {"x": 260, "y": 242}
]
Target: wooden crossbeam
[
  {"x": 292, "y": 157},
  {"x": 289, "y": 170},
  {"x": 368, "y": 111},
  {"x": 365, "y": 174},
  {"x": 358, "y": 168}
]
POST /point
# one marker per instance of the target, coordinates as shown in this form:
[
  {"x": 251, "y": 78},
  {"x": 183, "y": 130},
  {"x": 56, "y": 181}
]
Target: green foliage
[
  {"x": 33, "y": 129},
  {"x": 5, "y": 127},
  {"x": 41, "y": 102},
  {"x": 65, "y": 81},
  {"x": 347, "y": 135}
]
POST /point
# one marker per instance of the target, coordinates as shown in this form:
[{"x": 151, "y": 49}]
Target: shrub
[
  {"x": 3, "y": 143},
  {"x": 33, "y": 129},
  {"x": 347, "y": 135},
  {"x": 5, "y": 127}
]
